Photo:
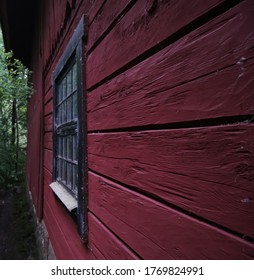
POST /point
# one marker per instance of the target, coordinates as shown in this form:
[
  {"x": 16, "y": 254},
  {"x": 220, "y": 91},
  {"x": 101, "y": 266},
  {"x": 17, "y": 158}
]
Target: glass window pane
[
  {"x": 62, "y": 169},
  {"x": 64, "y": 112},
  {"x": 69, "y": 109},
  {"x": 75, "y": 178},
  {"x": 66, "y": 118},
  {"x": 59, "y": 146},
  {"x": 64, "y": 172},
  {"x": 64, "y": 87},
  {"x": 69, "y": 82},
  {"x": 74, "y": 77},
  {"x": 75, "y": 104},
  {"x": 59, "y": 93},
  {"x": 64, "y": 147},
  {"x": 75, "y": 148},
  {"x": 70, "y": 156},
  {"x": 67, "y": 147},
  {"x": 58, "y": 116},
  {"x": 59, "y": 169},
  {"x": 61, "y": 114},
  {"x": 69, "y": 175}
]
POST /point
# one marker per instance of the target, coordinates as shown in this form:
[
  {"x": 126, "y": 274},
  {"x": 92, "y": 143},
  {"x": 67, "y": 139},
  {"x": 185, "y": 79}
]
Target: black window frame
[{"x": 74, "y": 53}]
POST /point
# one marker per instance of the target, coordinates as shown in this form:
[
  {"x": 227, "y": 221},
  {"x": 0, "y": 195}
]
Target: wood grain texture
[
  {"x": 192, "y": 189},
  {"x": 155, "y": 231},
  {"x": 104, "y": 19},
  {"x": 65, "y": 239},
  {"x": 63, "y": 233},
  {"x": 48, "y": 159},
  {"x": 61, "y": 227},
  {"x": 48, "y": 108},
  {"x": 215, "y": 79},
  {"x": 136, "y": 100},
  {"x": 206, "y": 171},
  {"x": 48, "y": 140},
  {"x": 95, "y": 7},
  {"x": 138, "y": 31},
  {"x": 48, "y": 94},
  {"x": 109, "y": 247},
  {"x": 48, "y": 123}
]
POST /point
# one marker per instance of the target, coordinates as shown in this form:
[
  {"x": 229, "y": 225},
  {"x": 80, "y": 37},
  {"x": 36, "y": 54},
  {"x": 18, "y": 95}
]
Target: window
[
  {"x": 69, "y": 148},
  {"x": 66, "y": 130}
]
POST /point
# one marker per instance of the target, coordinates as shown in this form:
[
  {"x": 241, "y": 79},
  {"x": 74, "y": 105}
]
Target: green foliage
[{"x": 14, "y": 93}]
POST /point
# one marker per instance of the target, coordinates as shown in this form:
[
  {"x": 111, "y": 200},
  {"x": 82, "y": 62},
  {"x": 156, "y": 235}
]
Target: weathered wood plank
[
  {"x": 48, "y": 108},
  {"x": 144, "y": 96},
  {"x": 207, "y": 171},
  {"x": 63, "y": 232},
  {"x": 61, "y": 227},
  {"x": 109, "y": 247},
  {"x": 104, "y": 19},
  {"x": 48, "y": 124},
  {"x": 48, "y": 94},
  {"x": 48, "y": 140},
  {"x": 63, "y": 235},
  {"x": 138, "y": 31},
  {"x": 48, "y": 158},
  {"x": 95, "y": 7},
  {"x": 155, "y": 231}
]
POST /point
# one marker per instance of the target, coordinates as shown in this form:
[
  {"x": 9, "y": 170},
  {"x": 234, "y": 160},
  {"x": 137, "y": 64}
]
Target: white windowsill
[{"x": 67, "y": 199}]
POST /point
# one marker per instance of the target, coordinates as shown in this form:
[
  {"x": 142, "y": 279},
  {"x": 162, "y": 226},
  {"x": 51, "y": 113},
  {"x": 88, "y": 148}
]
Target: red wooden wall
[{"x": 170, "y": 110}]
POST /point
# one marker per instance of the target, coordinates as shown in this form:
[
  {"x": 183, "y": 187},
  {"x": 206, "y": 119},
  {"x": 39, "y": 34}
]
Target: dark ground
[{"x": 17, "y": 239}]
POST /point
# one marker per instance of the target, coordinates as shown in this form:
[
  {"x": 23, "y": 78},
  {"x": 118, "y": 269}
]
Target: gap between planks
[
  {"x": 190, "y": 27},
  {"x": 180, "y": 210},
  {"x": 245, "y": 119}
]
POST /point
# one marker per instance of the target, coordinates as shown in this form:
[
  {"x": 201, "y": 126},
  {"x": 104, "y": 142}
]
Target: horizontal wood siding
[
  {"x": 109, "y": 247},
  {"x": 206, "y": 171},
  {"x": 156, "y": 231},
  {"x": 138, "y": 32},
  {"x": 169, "y": 87},
  {"x": 170, "y": 133},
  {"x": 219, "y": 84},
  {"x": 63, "y": 17},
  {"x": 108, "y": 13}
]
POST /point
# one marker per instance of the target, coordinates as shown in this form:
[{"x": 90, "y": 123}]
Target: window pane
[
  {"x": 64, "y": 88},
  {"x": 69, "y": 175},
  {"x": 75, "y": 109},
  {"x": 64, "y": 147},
  {"x": 74, "y": 77},
  {"x": 59, "y": 93},
  {"x": 75, "y": 148},
  {"x": 69, "y": 82},
  {"x": 71, "y": 107},
  {"x": 59, "y": 169},
  {"x": 70, "y": 147},
  {"x": 62, "y": 169},
  {"x": 75, "y": 179},
  {"x": 68, "y": 108},
  {"x": 64, "y": 112},
  {"x": 66, "y": 134},
  {"x": 61, "y": 114},
  {"x": 59, "y": 146}
]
